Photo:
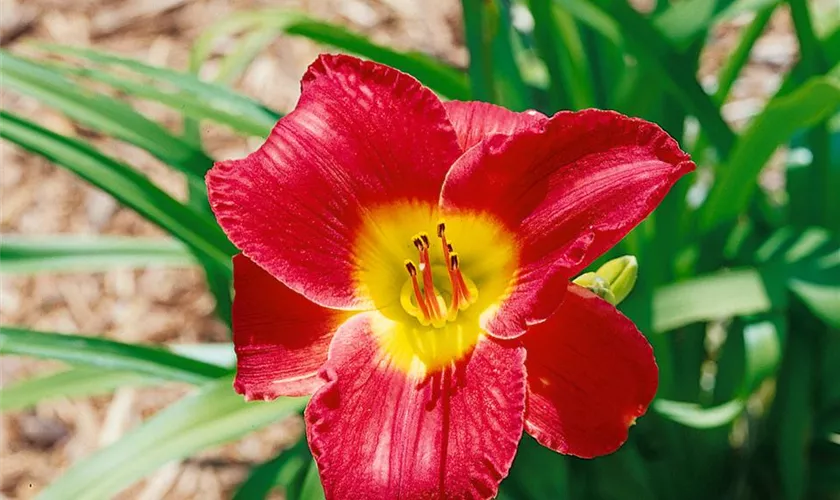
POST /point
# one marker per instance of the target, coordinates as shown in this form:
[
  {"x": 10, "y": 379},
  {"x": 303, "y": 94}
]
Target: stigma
[{"x": 433, "y": 305}]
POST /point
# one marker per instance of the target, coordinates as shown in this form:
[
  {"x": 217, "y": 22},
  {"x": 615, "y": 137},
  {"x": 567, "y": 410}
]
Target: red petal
[
  {"x": 281, "y": 338},
  {"x": 475, "y": 121},
  {"x": 571, "y": 189},
  {"x": 591, "y": 373},
  {"x": 377, "y": 433},
  {"x": 362, "y": 135}
]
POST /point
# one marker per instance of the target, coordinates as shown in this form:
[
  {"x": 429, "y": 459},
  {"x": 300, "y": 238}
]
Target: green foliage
[{"x": 739, "y": 294}]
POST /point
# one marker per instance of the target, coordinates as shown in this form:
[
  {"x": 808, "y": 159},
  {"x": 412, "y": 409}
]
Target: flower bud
[{"x": 613, "y": 281}]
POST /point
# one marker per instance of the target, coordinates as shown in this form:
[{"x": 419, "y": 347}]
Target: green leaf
[
  {"x": 237, "y": 61},
  {"x": 435, "y": 74},
  {"x": 522, "y": 482},
  {"x": 739, "y": 57},
  {"x": 591, "y": 15},
  {"x": 696, "y": 416},
  {"x": 763, "y": 351},
  {"x": 236, "y": 108},
  {"x": 493, "y": 55},
  {"x": 822, "y": 300},
  {"x": 311, "y": 488},
  {"x": 287, "y": 469},
  {"x": 102, "y": 113},
  {"x": 220, "y": 354},
  {"x": 185, "y": 102},
  {"x": 73, "y": 383},
  {"x": 106, "y": 354},
  {"x": 737, "y": 182},
  {"x": 683, "y": 21},
  {"x": 561, "y": 47},
  {"x": 123, "y": 183},
  {"x": 675, "y": 69},
  {"x": 209, "y": 417},
  {"x": 66, "y": 253},
  {"x": 717, "y": 296}
]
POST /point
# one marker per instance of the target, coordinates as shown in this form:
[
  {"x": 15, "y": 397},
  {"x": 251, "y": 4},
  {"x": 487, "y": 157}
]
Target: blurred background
[{"x": 740, "y": 287}]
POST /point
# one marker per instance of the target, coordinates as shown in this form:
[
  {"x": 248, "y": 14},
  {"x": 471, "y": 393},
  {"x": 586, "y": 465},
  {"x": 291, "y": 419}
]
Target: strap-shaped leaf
[
  {"x": 107, "y": 354},
  {"x": 102, "y": 113},
  {"x": 216, "y": 101},
  {"x": 212, "y": 416},
  {"x": 123, "y": 183},
  {"x": 736, "y": 181},
  {"x": 440, "y": 77},
  {"x": 73, "y": 383},
  {"x": 69, "y": 253}
]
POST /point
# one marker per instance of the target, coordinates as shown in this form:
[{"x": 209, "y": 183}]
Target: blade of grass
[
  {"x": 209, "y": 417},
  {"x": 60, "y": 253},
  {"x": 73, "y": 383},
  {"x": 106, "y": 354},
  {"x": 101, "y": 113},
  {"x": 123, "y": 183}
]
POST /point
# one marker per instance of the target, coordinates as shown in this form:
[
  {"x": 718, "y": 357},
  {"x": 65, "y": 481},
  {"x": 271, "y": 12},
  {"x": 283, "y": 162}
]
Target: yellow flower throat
[{"x": 423, "y": 300}]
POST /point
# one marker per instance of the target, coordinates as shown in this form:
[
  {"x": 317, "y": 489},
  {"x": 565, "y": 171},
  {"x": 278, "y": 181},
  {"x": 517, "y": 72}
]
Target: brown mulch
[{"x": 173, "y": 306}]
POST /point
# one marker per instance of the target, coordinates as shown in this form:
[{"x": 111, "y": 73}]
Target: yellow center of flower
[{"x": 432, "y": 277}]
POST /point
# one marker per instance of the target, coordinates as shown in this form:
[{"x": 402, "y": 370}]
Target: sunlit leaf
[
  {"x": 123, "y": 183},
  {"x": 212, "y": 416},
  {"x": 102, "y": 113},
  {"x": 718, "y": 296},
  {"x": 106, "y": 354},
  {"x": 72, "y": 383},
  {"x": 737, "y": 179},
  {"x": 696, "y": 416},
  {"x": 70, "y": 253}
]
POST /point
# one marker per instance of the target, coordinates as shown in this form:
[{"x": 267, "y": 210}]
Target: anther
[
  {"x": 411, "y": 268},
  {"x": 453, "y": 261},
  {"x": 440, "y": 229},
  {"x": 425, "y": 238}
]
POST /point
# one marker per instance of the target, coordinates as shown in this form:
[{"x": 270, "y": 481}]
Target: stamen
[
  {"x": 441, "y": 232},
  {"x": 426, "y": 268},
  {"x": 458, "y": 278},
  {"x": 425, "y": 238},
  {"x": 421, "y": 302}
]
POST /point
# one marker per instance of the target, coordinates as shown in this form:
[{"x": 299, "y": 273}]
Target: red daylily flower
[{"x": 408, "y": 262}]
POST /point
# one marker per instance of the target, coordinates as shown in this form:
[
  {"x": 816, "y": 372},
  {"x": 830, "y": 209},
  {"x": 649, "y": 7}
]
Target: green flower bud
[{"x": 613, "y": 281}]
